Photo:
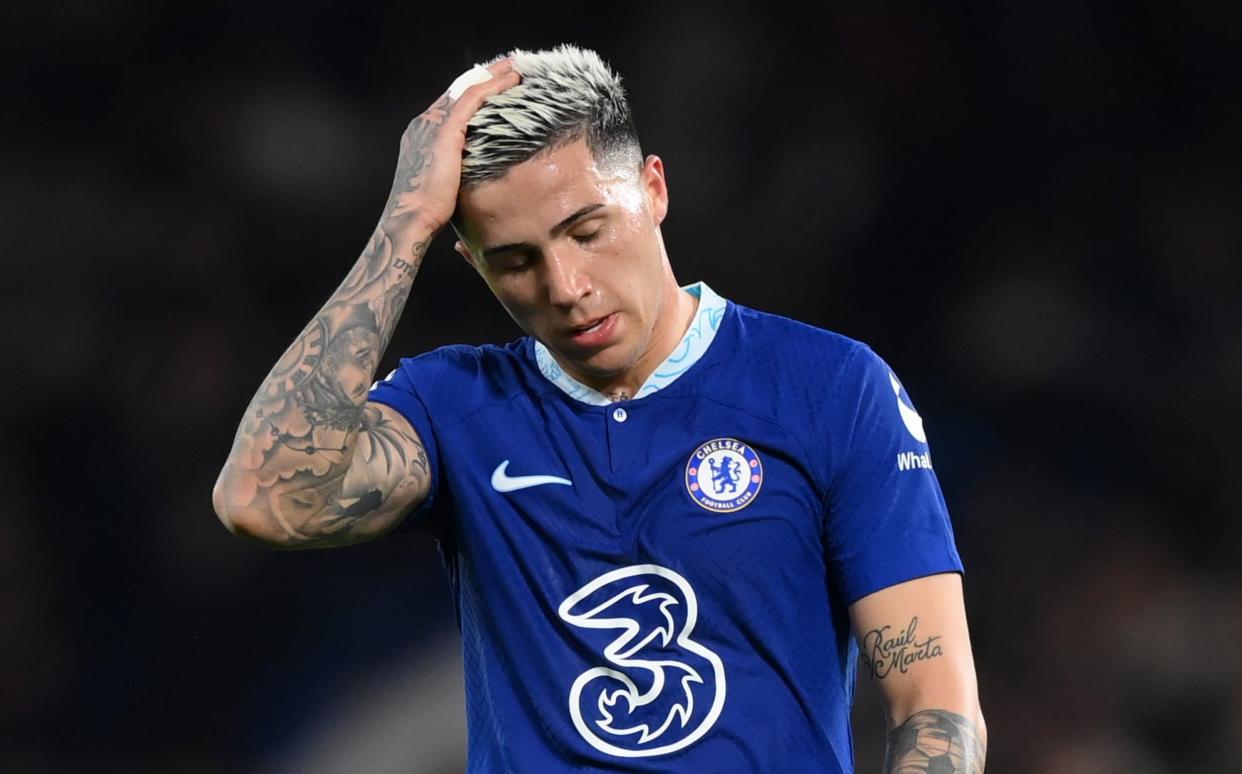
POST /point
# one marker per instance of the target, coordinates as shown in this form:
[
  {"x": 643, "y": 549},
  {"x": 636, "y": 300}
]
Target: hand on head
[{"x": 428, "y": 172}]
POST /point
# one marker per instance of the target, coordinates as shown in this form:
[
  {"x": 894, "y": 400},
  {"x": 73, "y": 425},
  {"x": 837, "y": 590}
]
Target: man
[{"x": 662, "y": 512}]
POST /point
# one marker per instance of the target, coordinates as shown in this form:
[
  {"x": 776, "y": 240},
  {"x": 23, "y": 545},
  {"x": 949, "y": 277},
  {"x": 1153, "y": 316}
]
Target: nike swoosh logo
[
  {"x": 909, "y": 417},
  {"x": 503, "y": 483}
]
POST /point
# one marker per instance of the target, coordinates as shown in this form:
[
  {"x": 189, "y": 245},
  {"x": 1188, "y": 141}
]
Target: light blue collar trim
[{"x": 693, "y": 344}]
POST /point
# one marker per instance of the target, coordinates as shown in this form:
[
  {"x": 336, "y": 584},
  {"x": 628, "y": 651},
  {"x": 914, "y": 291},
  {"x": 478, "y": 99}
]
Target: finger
[
  {"x": 501, "y": 66},
  {"x": 473, "y": 97},
  {"x": 478, "y": 74},
  {"x": 467, "y": 79}
]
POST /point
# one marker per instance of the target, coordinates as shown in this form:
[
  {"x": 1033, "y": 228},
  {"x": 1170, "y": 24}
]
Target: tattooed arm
[
  {"x": 313, "y": 463},
  {"x": 914, "y": 643}
]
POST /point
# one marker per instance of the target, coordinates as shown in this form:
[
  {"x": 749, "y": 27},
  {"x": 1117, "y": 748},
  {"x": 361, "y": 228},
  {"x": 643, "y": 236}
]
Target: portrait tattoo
[{"x": 884, "y": 650}]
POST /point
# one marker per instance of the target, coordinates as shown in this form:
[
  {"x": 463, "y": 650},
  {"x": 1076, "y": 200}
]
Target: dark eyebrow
[{"x": 582, "y": 212}]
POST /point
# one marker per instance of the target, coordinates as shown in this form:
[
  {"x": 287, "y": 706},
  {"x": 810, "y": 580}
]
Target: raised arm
[
  {"x": 314, "y": 464},
  {"x": 915, "y": 645}
]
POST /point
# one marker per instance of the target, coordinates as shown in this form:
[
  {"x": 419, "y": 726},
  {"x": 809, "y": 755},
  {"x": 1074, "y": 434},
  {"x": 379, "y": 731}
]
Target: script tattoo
[
  {"x": 882, "y": 652},
  {"x": 317, "y": 463},
  {"x": 935, "y": 742}
]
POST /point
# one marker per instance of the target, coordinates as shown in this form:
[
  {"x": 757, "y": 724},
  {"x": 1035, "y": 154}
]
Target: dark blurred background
[{"x": 1031, "y": 210}]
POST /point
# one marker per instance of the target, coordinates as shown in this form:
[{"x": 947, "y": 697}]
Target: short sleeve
[
  {"x": 886, "y": 519},
  {"x": 399, "y": 391}
]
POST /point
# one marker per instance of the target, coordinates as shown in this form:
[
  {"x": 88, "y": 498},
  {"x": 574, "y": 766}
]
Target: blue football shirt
[{"x": 662, "y": 584}]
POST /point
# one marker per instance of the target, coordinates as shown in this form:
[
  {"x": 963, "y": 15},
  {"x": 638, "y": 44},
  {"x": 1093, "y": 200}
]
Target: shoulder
[
  {"x": 460, "y": 377},
  {"x": 803, "y": 355},
  {"x": 805, "y": 377},
  {"x": 461, "y": 359},
  {"x": 810, "y": 381}
]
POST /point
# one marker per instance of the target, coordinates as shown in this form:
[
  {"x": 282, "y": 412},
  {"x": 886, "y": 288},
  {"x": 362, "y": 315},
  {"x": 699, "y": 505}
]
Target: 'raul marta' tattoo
[
  {"x": 309, "y": 424},
  {"x": 884, "y": 650},
  {"x": 935, "y": 742}
]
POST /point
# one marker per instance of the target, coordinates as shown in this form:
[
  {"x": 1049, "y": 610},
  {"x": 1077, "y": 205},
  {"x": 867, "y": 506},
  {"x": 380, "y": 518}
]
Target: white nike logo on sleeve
[{"x": 503, "y": 483}]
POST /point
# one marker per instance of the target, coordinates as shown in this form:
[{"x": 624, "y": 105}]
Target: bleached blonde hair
[{"x": 566, "y": 94}]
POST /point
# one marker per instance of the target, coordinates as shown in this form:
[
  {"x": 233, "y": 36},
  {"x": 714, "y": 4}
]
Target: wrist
[
  {"x": 415, "y": 211},
  {"x": 414, "y": 227}
]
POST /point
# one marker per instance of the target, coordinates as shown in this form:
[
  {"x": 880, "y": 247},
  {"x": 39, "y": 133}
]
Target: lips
[{"x": 595, "y": 333}]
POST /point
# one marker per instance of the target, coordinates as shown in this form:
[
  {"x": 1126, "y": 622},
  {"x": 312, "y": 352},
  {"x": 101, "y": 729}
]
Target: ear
[
  {"x": 656, "y": 187},
  {"x": 464, "y": 251},
  {"x": 462, "y": 245}
]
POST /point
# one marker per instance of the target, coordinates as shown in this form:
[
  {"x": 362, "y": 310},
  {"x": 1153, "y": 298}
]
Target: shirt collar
[{"x": 689, "y": 350}]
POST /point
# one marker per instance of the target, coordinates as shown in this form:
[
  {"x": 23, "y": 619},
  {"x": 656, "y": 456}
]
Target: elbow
[
  {"x": 947, "y": 692},
  {"x": 232, "y": 517},
  {"x": 238, "y": 519}
]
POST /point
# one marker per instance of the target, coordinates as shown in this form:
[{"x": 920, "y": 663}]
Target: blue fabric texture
[{"x": 662, "y": 584}]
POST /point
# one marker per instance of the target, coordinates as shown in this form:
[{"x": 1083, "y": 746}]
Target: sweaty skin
[{"x": 553, "y": 276}]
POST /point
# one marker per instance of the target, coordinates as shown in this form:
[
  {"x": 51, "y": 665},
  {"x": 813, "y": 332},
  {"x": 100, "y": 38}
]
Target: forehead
[{"x": 541, "y": 191}]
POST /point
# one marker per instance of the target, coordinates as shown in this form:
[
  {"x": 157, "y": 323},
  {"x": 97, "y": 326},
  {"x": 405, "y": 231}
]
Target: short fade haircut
[{"x": 566, "y": 94}]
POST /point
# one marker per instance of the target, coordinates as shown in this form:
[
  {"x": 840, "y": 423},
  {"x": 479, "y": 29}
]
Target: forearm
[
  {"x": 934, "y": 721},
  {"x": 914, "y": 644},
  {"x": 936, "y": 740},
  {"x": 284, "y": 481},
  {"x": 312, "y": 463}
]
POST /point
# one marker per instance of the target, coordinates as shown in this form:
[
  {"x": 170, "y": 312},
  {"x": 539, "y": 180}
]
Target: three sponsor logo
[
  {"x": 656, "y": 688},
  {"x": 653, "y": 611}
]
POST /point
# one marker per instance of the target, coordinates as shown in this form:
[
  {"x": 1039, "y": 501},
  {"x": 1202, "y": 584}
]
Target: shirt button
[{"x": 620, "y": 415}]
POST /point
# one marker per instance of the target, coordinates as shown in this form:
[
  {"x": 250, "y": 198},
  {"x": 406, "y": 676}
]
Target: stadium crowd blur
[{"x": 1032, "y": 211}]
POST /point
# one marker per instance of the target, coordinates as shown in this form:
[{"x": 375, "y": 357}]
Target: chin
[{"x": 604, "y": 364}]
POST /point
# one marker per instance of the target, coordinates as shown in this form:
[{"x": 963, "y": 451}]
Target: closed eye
[
  {"x": 584, "y": 239},
  {"x": 511, "y": 262}
]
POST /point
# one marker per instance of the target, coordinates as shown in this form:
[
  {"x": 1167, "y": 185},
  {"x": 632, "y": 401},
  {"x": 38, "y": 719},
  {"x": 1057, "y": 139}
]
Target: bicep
[
  {"x": 389, "y": 477},
  {"x": 915, "y": 645}
]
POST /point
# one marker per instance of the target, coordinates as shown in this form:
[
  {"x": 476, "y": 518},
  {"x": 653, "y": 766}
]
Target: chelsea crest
[{"x": 724, "y": 475}]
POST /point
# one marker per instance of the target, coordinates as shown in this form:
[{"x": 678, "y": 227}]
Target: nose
[{"x": 567, "y": 279}]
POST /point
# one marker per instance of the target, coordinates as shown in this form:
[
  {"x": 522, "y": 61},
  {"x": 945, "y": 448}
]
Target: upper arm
[
  {"x": 885, "y": 519},
  {"x": 915, "y": 645},
  {"x": 320, "y": 499},
  {"x": 389, "y": 476}
]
